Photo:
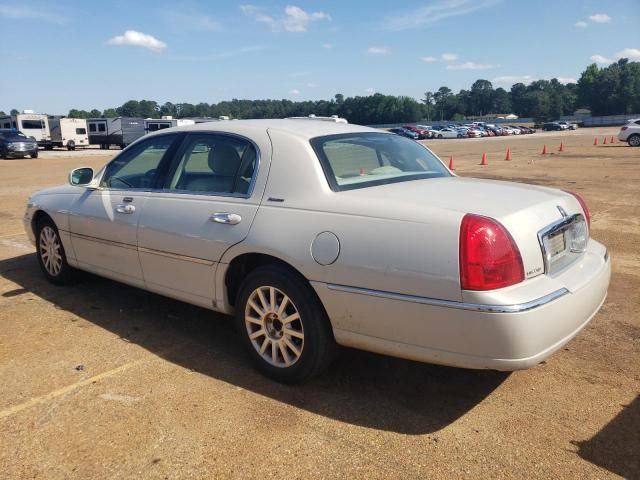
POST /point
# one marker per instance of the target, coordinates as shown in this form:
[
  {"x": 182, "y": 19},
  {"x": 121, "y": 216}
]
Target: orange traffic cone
[
  {"x": 451, "y": 167},
  {"x": 561, "y": 149},
  {"x": 595, "y": 141},
  {"x": 611, "y": 141},
  {"x": 508, "y": 157},
  {"x": 605, "y": 141},
  {"x": 544, "y": 150},
  {"x": 484, "y": 159}
]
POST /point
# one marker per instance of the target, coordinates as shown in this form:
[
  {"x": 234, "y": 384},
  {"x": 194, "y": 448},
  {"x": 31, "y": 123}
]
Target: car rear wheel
[
  {"x": 634, "y": 140},
  {"x": 440, "y": 136},
  {"x": 51, "y": 254},
  {"x": 34, "y": 154},
  {"x": 283, "y": 325},
  {"x": 71, "y": 145}
]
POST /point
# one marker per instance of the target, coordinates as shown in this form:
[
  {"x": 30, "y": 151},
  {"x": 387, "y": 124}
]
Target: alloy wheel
[
  {"x": 274, "y": 326},
  {"x": 51, "y": 251}
]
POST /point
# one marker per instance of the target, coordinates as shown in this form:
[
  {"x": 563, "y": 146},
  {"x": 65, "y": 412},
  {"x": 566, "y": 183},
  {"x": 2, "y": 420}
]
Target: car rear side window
[
  {"x": 362, "y": 160},
  {"x": 214, "y": 164}
]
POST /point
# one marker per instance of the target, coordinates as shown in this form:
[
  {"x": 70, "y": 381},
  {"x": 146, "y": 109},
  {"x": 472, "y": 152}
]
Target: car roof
[{"x": 305, "y": 129}]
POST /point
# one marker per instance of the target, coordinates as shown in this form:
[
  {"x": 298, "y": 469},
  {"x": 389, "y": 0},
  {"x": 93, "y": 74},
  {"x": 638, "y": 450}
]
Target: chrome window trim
[
  {"x": 254, "y": 178},
  {"x": 563, "y": 223},
  {"x": 476, "y": 307}
]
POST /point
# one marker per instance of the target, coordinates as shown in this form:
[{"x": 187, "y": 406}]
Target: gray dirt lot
[{"x": 101, "y": 380}]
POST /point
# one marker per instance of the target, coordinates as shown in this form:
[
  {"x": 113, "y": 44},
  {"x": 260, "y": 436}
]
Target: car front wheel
[
  {"x": 51, "y": 255},
  {"x": 634, "y": 140},
  {"x": 283, "y": 325}
]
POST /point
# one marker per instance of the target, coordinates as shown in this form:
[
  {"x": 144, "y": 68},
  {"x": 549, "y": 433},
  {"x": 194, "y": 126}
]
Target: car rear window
[{"x": 362, "y": 160}]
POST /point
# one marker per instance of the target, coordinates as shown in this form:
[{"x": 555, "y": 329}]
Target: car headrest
[{"x": 224, "y": 160}]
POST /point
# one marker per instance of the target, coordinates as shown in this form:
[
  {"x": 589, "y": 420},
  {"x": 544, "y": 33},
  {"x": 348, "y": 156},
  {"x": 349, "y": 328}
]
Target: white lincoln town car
[{"x": 319, "y": 234}]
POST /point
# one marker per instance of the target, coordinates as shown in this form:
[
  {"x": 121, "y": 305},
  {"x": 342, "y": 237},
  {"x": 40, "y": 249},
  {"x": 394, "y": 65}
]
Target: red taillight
[
  {"x": 623, "y": 129},
  {"x": 583, "y": 204},
  {"x": 489, "y": 258}
]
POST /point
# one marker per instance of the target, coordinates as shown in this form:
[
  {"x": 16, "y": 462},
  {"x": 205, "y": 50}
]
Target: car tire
[
  {"x": 634, "y": 140},
  {"x": 286, "y": 351},
  {"x": 71, "y": 145},
  {"x": 440, "y": 136},
  {"x": 51, "y": 255},
  {"x": 34, "y": 154}
]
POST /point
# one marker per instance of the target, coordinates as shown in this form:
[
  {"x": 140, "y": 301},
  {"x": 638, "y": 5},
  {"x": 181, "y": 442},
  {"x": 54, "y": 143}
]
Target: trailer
[
  {"x": 34, "y": 125},
  {"x": 68, "y": 132},
  {"x": 154, "y": 124},
  {"x": 120, "y": 131}
]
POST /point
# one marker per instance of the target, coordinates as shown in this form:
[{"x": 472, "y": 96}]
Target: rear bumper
[{"x": 514, "y": 337}]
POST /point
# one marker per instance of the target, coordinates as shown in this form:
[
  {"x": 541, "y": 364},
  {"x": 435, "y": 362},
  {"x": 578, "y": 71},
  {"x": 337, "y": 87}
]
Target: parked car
[
  {"x": 421, "y": 132},
  {"x": 315, "y": 234},
  {"x": 448, "y": 133},
  {"x": 631, "y": 133},
  {"x": 15, "y": 144},
  {"x": 568, "y": 125},
  {"x": 474, "y": 133},
  {"x": 552, "y": 126},
  {"x": 403, "y": 132}
]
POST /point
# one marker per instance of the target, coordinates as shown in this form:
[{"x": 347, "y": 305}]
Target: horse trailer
[
  {"x": 31, "y": 124},
  {"x": 68, "y": 132},
  {"x": 120, "y": 131},
  {"x": 154, "y": 124}
]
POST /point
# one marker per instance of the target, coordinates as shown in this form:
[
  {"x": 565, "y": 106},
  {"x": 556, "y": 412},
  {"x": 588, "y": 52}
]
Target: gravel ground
[{"x": 101, "y": 380}]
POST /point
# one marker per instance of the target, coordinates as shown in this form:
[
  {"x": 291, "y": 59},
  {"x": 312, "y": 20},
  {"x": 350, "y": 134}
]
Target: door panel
[
  {"x": 103, "y": 222},
  {"x": 104, "y": 238},
  {"x": 206, "y": 207}
]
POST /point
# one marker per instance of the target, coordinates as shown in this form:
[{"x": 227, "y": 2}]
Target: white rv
[
  {"x": 31, "y": 124},
  {"x": 155, "y": 124},
  {"x": 68, "y": 132},
  {"x": 332, "y": 118}
]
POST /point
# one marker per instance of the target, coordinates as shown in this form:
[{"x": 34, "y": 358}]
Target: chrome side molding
[{"x": 476, "y": 307}]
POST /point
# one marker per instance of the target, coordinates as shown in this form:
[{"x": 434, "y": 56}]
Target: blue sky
[{"x": 71, "y": 54}]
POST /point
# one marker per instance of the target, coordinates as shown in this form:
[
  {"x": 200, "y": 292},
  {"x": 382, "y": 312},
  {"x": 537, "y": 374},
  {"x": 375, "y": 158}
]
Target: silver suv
[{"x": 631, "y": 133}]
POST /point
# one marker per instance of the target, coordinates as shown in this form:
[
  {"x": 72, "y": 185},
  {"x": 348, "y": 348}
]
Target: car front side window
[
  {"x": 214, "y": 164},
  {"x": 137, "y": 167}
]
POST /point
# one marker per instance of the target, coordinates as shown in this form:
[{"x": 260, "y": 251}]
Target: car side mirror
[{"x": 81, "y": 176}]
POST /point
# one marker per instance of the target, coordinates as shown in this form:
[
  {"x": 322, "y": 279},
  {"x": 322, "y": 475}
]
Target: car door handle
[
  {"x": 226, "y": 218},
  {"x": 122, "y": 208}
]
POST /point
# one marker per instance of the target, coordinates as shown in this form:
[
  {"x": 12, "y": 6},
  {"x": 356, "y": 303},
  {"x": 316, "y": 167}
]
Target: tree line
[{"x": 610, "y": 90}]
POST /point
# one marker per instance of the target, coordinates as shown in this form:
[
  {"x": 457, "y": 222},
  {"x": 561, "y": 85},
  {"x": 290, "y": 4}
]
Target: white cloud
[
  {"x": 600, "y": 18},
  {"x": 440, "y": 10},
  {"x": 471, "y": 66},
  {"x": 581, "y": 24},
  {"x": 566, "y": 80},
  {"x": 131, "y": 37},
  {"x": 449, "y": 57},
  {"x": 429, "y": 59},
  {"x": 312, "y": 85},
  {"x": 511, "y": 79},
  {"x": 20, "y": 12},
  {"x": 294, "y": 19},
  {"x": 328, "y": 46},
  {"x": 600, "y": 59},
  {"x": 630, "y": 53},
  {"x": 378, "y": 51},
  {"x": 294, "y": 92},
  {"x": 370, "y": 90}
]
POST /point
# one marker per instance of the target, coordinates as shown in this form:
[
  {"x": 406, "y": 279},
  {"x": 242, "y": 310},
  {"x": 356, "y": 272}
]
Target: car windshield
[
  {"x": 367, "y": 159},
  {"x": 19, "y": 136}
]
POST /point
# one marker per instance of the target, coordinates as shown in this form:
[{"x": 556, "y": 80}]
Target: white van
[
  {"x": 68, "y": 132},
  {"x": 33, "y": 125}
]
